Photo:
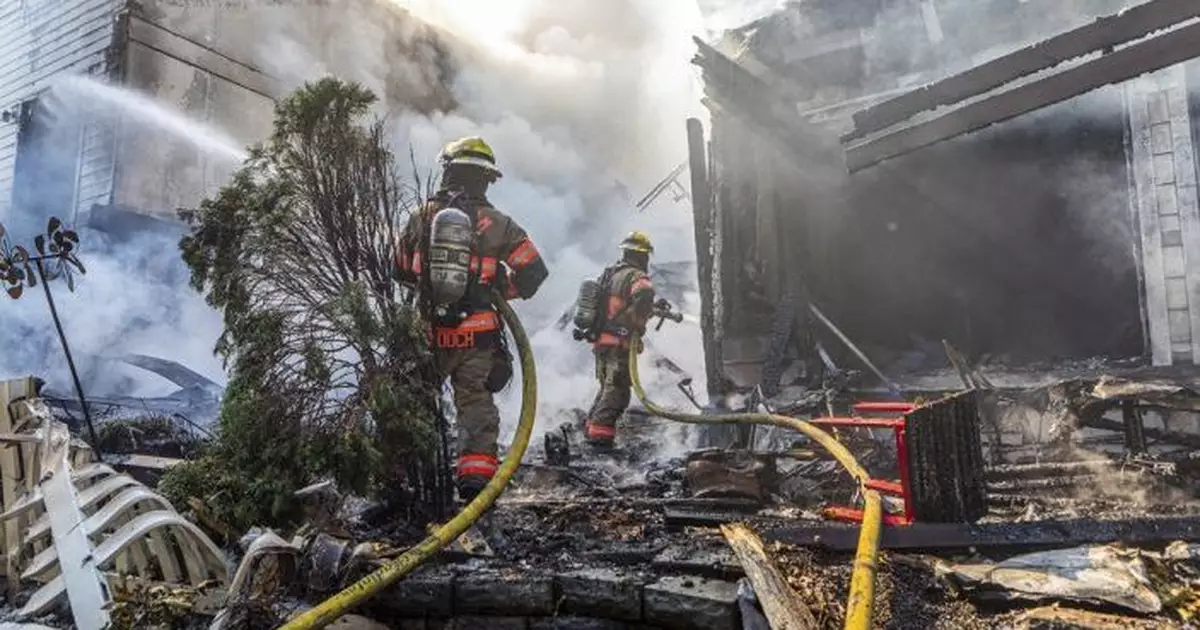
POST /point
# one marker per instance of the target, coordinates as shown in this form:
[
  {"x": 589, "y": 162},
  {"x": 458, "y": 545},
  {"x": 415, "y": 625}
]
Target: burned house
[
  {"x": 126, "y": 160},
  {"x": 917, "y": 174}
]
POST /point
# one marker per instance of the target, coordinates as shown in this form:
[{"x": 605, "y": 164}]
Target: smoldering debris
[
  {"x": 1136, "y": 580},
  {"x": 579, "y": 532}
]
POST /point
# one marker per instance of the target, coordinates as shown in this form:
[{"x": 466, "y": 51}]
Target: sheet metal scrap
[
  {"x": 96, "y": 520},
  {"x": 1055, "y": 411},
  {"x": 1141, "y": 581},
  {"x": 270, "y": 564}
]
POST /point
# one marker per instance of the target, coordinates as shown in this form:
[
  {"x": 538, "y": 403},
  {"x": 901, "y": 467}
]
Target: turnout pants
[
  {"x": 478, "y": 418},
  {"x": 612, "y": 372}
]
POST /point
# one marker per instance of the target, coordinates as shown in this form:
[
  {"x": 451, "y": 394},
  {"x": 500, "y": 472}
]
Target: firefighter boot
[
  {"x": 474, "y": 472},
  {"x": 600, "y": 437}
]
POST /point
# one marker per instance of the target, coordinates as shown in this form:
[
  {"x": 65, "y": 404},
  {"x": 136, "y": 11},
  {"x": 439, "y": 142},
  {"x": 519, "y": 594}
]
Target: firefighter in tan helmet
[
  {"x": 456, "y": 249},
  {"x": 624, "y": 306}
]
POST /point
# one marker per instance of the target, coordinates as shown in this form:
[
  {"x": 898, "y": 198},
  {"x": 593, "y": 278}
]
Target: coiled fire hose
[
  {"x": 329, "y": 610},
  {"x": 860, "y": 606}
]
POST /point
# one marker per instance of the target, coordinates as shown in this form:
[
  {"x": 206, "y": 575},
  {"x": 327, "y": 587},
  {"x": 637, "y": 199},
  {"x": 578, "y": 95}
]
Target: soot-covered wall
[{"x": 1015, "y": 241}]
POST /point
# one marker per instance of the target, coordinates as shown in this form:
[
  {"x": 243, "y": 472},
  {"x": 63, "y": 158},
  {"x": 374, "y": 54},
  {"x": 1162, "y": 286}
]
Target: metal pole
[
  {"x": 853, "y": 348},
  {"x": 62, "y": 337}
]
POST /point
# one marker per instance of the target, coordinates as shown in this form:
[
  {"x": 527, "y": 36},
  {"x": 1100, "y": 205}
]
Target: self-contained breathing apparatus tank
[
  {"x": 589, "y": 310},
  {"x": 451, "y": 234}
]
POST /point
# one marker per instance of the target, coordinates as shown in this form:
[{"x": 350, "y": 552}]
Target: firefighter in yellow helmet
[
  {"x": 456, "y": 249},
  {"x": 629, "y": 304}
]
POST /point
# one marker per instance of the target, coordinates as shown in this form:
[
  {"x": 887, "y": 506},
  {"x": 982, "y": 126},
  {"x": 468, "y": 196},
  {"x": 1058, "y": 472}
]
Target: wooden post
[
  {"x": 8, "y": 484},
  {"x": 703, "y": 222}
]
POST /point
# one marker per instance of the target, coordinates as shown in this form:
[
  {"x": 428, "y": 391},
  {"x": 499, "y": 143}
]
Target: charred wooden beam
[
  {"x": 1135, "y": 427},
  {"x": 1058, "y": 482},
  {"x": 1033, "y": 471},
  {"x": 934, "y": 537},
  {"x": 758, "y": 103},
  {"x": 1158, "y": 435},
  {"x": 998, "y": 536},
  {"x": 1134, "y": 60},
  {"x": 1105, "y": 32},
  {"x": 703, "y": 222},
  {"x": 1009, "y": 500}
]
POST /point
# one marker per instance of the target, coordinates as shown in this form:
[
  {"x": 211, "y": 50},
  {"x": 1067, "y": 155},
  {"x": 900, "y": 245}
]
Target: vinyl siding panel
[{"x": 95, "y": 166}]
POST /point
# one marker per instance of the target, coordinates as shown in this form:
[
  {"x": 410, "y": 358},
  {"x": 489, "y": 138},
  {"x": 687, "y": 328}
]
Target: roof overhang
[{"x": 1112, "y": 49}]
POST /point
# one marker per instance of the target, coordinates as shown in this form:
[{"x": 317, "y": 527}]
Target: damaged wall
[
  {"x": 1163, "y": 162},
  {"x": 201, "y": 60},
  {"x": 38, "y": 42},
  {"x": 1017, "y": 242},
  {"x": 207, "y": 62}
]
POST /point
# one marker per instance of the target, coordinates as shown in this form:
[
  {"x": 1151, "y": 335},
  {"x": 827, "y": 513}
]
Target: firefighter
[
  {"x": 630, "y": 303},
  {"x": 466, "y": 335}
]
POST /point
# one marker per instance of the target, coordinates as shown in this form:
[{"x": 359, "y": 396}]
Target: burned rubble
[
  {"x": 566, "y": 543},
  {"x": 1057, "y": 493},
  {"x": 583, "y": 539},
  {"x": 587, "y": 540}
]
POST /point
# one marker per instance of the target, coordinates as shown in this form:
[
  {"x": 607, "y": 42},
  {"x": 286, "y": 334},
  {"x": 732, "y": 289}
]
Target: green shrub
[{"x": 330, "y": 371}]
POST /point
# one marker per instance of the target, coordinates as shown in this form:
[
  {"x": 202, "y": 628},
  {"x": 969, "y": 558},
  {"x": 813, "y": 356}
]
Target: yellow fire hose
[
  {"x": 364, "y": 589},
  {"x": 860, "y": 606}
]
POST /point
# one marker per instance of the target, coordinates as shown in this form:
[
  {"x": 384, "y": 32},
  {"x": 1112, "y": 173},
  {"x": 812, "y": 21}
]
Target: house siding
[{"x": 43, "y": 39}]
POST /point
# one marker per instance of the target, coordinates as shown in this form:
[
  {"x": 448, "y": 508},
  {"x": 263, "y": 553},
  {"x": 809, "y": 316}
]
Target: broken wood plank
[
  {"x": 1137, "y": 59},
  {"x": 1010, "y": 500},
  {"x": 971, "y": 378},
  {"x": 782, "y": 606},
  {"x": 1056, "y": 618},
  {"x": 1105, "y": 32}
]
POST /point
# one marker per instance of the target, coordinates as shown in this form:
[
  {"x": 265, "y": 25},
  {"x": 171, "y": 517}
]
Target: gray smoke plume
[
  {"x": 134, "y": 298},
  {"x": 585, "y": 104}
]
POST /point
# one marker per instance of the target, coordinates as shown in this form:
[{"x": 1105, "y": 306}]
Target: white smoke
[
  {"x": 133, "y": 300},
  {"x": 575, "y": 97},
  {"x": 720, "y": 15},
  {"x": 585, "y": 104},
  {"x": 134, "y": 297}
]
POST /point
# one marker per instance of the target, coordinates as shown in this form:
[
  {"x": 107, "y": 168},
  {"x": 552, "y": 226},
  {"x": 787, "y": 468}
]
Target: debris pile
[
  {"x": 1078, "y": 537},
  {"x": 597, "y": 540}
]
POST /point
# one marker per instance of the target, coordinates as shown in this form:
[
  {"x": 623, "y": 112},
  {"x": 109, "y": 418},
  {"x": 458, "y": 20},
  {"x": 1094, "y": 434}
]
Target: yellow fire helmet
[
  {"x": 638, "y": 242},
  {"x": 470, "y": 150}
]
